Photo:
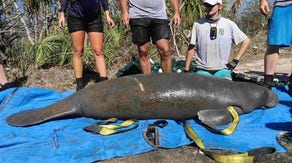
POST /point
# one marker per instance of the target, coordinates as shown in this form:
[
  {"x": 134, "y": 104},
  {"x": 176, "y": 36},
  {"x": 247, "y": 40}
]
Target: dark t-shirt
[{"x": 83, "y": 8}]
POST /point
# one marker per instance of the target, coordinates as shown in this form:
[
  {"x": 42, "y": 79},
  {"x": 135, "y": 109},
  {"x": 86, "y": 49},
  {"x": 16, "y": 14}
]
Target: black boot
[
  {"x": 290, "y": 86},
  {"x": 6, "y": 86},
  {"x": 80, "y": 84},
  {"x": 268, "y": 81},
  {"x": 100, "y": 79}
]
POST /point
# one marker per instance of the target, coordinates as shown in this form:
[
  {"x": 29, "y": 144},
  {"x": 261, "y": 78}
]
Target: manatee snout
[{"x": 272, "y": 99}]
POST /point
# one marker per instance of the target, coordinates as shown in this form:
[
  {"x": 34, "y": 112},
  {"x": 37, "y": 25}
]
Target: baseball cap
[{"x": 212, "y": 2}]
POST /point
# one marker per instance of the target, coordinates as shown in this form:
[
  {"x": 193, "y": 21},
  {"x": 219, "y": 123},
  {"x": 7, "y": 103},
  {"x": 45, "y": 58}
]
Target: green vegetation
[{"x": 37, "y": 40}]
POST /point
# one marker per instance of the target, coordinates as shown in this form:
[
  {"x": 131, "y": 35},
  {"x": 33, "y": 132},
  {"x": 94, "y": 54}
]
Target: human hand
[
  {"x": 176, "y": 20},
  {"x": 126, "y": 19},
  {"x": 110, "y": 22},
  {"x": 62, "y": 20},
  {"x": 231, "y": 65},
  {"x": 264, "y": 7}
]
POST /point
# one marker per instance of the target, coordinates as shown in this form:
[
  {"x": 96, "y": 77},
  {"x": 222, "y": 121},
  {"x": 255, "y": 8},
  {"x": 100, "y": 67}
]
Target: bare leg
[
  {"x": 163, "y": 49},
  {"x": 144, "y": 59},
  {"x": 78, "y": 49},
  {"x": 271, "y": 61},
  {"x": 96, "y": 41},
  {"x": 3, "y": 77}
]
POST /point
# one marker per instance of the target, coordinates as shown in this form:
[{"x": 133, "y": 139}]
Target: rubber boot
[
  {"x": 80, "y": 84},
  {"x": 268, "y": 81}
]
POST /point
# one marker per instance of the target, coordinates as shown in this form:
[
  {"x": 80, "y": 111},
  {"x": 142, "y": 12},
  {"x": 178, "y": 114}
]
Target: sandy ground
[
  {"x": 63, "y": 79},
  {"x": 284, "y": 67}
]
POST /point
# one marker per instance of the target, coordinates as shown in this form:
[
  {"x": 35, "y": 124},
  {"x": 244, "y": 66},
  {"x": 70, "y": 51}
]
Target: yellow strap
[
  {"x": 112, "y": 129},
  {"x": 221, "y": 158},
  {"x": 230, "y": 158},
  {"x": 193, "y": 135},
  {"x": 229, "y": 130},
  {"x": 112, "y": 120}
]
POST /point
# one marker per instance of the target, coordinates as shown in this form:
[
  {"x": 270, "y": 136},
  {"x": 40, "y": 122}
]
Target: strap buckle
[
  {"x": 151, "y": 133},
  {"x": 105, "y": 128}
]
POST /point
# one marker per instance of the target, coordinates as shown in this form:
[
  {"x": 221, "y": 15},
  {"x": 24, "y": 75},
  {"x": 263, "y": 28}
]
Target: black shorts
[
  {"x": 90, "y": 24},
  {"x": 144, "y": 29}
]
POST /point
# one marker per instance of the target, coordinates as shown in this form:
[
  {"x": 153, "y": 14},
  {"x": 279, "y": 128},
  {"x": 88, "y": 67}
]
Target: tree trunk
[{"x": 25, "y": 25}]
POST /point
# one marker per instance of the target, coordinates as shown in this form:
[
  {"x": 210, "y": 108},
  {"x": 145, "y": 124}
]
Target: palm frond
[{"x": 51, "y": 49}]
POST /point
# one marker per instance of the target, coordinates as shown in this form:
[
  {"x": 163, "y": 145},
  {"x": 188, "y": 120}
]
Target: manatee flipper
[
  {"x": 217, "y": 117},
  {"x": 37, "y": 116}
]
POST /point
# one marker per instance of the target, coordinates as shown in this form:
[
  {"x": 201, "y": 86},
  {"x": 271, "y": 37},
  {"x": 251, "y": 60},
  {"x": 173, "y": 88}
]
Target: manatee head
[{"x": 272, "y": 99}]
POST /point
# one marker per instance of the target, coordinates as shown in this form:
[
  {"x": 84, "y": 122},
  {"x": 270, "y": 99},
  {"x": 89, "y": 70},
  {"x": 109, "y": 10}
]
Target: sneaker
[
  {"x": 100, "y": 79},
  {"x": 80, "y": 84},
  {"x": 285, "y": 139},
  {"x": 7, "y": 86},
  {"x": 290, "y": 89},
  {"x": 268, "y": 81}
]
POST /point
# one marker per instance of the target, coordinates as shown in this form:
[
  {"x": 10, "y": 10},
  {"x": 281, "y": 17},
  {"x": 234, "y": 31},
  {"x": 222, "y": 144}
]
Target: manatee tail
[{"x": 37, "y": 116}]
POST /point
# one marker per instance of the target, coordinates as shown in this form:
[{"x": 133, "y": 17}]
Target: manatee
[{"x": 176, "y": 96}]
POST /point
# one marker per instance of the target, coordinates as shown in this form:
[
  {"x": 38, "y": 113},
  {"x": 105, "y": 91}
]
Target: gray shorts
[
  {"x": 89, "y": 24},
  {"x": 144, "y": 29}
]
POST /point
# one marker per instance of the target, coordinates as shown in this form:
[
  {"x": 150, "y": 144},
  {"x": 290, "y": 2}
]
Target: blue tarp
[{"x": 66, "y": 141}]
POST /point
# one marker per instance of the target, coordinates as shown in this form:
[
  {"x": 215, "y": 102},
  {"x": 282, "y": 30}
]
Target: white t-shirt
[
  {"x": 214, "y": 54},
  {"x": 147, "y": 9}
]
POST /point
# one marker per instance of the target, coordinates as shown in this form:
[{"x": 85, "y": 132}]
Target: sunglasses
[
  {"x": 208, "y": 5},
  {"x": 213, "y": 33}
]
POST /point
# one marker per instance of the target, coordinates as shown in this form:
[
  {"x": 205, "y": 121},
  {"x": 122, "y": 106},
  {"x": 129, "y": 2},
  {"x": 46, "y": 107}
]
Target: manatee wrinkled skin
[{"x": 177, "y": 96}]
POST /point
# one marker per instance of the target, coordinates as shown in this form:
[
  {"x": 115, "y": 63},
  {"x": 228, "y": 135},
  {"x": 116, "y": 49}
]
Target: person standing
[
  {"x": 279, "y": 35},
  {"x": 149, "y": 22},
  {"x": 84, "y": 16},
  {"x": 211, "y": 42}
]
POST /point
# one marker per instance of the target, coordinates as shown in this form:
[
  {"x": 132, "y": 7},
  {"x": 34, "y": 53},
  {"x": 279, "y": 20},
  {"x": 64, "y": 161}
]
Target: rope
[{"x": 9, "y": 98}]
